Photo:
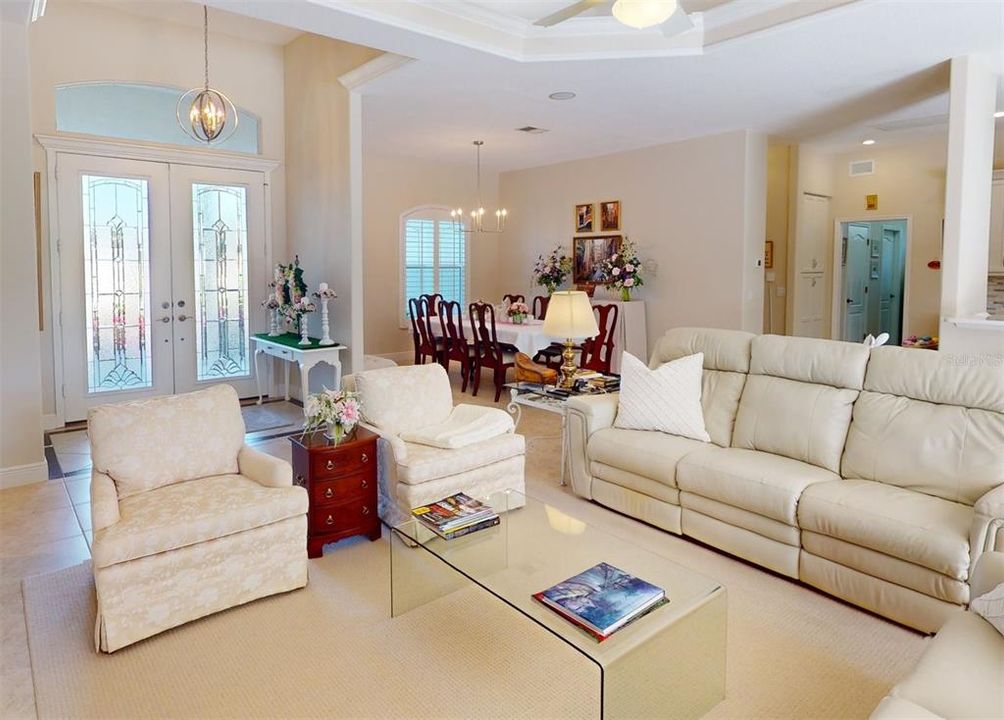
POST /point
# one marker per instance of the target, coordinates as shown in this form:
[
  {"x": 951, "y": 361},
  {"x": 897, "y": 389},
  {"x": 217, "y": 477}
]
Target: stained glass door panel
[
  {"x": 219, "y": 218},
  {"x": 117, "y": 282},
  {"x": 114, "y": 254},
  {"x": 220, "y": 271}
]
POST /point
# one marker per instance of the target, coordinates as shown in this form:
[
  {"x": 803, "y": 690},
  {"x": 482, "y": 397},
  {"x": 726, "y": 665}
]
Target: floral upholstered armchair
[
  {"x": 187, "y": 519},
  {"x": 429, "y": 449}
]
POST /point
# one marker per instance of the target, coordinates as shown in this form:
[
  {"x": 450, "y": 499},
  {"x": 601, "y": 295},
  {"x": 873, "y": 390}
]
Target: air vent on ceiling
[
  {"x": 532, "y": 130},
  {"x": 862, "y": 167}
]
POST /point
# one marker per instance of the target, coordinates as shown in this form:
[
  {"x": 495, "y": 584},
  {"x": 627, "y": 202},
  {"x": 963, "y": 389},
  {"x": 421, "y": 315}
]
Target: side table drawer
[
  {"x": 350, "y": 515},
  {"x": 279, "y": 352},
  {"x": 340, "y": 462},
  {"x": 332, "y": 492}
]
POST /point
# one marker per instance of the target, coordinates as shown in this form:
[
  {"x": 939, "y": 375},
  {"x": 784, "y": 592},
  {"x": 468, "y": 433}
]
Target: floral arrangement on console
[
  {"x": 337, "y": 410},
  {"x": 623, "y": 270},
  {"x": 518, "y": 312},
  {"x": 288, "y": 299},
  {"x": 552, "y": 270}
]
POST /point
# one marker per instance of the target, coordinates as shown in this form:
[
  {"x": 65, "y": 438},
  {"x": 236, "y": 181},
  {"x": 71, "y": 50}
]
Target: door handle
[
  {"x": 182, "y": 318},
  {"x": 166, "y": 319},
  {"x": 849, "y": 301}
]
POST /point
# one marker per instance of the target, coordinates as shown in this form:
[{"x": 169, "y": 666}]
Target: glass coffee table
[{"x": 669, "y": 662}]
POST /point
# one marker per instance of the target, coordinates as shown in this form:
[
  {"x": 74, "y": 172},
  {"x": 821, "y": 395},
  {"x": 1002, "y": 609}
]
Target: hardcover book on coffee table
[{"x": 602, "y": 599}]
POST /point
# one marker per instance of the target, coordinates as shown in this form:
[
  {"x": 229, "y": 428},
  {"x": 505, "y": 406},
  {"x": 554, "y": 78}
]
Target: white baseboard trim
[
  {"x": 52, "y": 422},
  {"x": 24, "y": 474}
]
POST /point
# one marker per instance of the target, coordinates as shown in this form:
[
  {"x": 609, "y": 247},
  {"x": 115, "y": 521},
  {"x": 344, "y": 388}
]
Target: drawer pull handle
[
  {"x": 365, "y": 483},
  {"x": 329, "y": 493},
  {"x": 366, "y": 510},
  {"x": 330, "y": 465},
  {"x": 365, "y": 458},
  {"x": 330, "y": 520}
]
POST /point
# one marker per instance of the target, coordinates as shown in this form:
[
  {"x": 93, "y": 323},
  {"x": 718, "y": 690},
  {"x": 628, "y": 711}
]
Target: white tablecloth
[{"x": 528, "y": 337}]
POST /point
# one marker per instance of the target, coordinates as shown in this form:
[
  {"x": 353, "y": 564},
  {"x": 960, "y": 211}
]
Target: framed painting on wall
[
  {"x": 584, "y": 218},
  {"x": 610, "y": 215},
  {"x": 588, "y": 256}
]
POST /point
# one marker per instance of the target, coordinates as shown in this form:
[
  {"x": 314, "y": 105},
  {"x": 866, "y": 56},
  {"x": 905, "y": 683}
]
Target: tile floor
[{"x": 47, "y": 526}]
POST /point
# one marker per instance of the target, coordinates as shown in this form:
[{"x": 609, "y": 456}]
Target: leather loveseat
[{"x": 874, "y": 475}]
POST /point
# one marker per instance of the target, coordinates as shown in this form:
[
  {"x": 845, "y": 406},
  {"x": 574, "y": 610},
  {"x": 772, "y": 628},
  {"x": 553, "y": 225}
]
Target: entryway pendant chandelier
[
  {"x": 477, "y": 215},
  {"x": 211, "y": 116}
]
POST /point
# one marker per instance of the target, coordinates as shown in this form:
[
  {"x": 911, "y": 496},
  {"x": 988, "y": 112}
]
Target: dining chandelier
[
  {"x": 211, "y": 116},
  {"x": 477, "y": 215}
]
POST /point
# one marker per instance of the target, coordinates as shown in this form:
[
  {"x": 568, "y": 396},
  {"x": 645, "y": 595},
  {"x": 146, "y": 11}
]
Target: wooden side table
[{"x": 341, "y": 483}]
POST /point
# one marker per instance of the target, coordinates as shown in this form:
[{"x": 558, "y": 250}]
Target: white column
[
  {"x": 21, "y": 455},
  {"x": 967, "y": 189}
]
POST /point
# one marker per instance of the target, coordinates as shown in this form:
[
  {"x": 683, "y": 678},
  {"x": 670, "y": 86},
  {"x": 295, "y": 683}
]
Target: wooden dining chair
[
  {"x": 427, "y": 344},
  {"x": 456, "y": 346},
  {"x": 539, "y": 307},
  {"x": 488, "y": 352},
  {"x": 597, "y": 351},
  {"x": 433, "y": 299},
  {"x": 510, "y": 298}
]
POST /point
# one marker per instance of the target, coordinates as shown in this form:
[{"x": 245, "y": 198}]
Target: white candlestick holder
[
  {"x": 273, "y": 328},
  {"x": 325, "y": 329},
  {"x": 304, "y": 330}
]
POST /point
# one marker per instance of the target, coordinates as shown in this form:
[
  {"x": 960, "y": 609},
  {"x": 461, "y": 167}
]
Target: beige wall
[
  {"x": 72, "y": 44},
  {"x": 910, "y": 182},
  {"x": 695, "y": 207},
  {"x": 391, "y": 187},
  {"x": 317, "y": 169},
  {"x": 21, "y": 458},
  {"x": 778, "y": 158}
]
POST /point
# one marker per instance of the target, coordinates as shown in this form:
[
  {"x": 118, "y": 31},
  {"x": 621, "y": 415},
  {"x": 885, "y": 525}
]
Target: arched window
[
  {"x": 137, "y": 111},
  {"x": 433, "y": 256}
]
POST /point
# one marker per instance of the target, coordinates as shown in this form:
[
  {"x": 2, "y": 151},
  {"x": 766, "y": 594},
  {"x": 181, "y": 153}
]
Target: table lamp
[{"x": 570, "y": 316}]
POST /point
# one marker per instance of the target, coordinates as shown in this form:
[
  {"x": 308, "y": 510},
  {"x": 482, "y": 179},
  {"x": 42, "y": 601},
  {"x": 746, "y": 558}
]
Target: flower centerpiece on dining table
[
  {"x": 550, "y": 271},
  {"x": 622, "y": 270},
  {"x": 517, "y": 312},
  {"x": 336, "y": 410}
]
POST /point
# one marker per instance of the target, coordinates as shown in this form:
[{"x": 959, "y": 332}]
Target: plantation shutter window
[{"x": 434, "y": 257}]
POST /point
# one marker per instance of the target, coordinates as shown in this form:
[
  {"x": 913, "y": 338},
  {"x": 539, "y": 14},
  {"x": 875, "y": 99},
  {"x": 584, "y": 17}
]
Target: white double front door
[{"x": 161, "y": 266}]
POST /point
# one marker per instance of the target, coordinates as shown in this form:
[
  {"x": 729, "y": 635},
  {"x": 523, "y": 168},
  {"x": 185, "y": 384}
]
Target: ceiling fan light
[{"x": 642, "y": 14}]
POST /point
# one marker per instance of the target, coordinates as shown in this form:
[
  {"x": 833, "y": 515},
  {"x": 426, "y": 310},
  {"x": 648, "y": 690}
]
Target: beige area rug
[{"x": 332, "y": 650}]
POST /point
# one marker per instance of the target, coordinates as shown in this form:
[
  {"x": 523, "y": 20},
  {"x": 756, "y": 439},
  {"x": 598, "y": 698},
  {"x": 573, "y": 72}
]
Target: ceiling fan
[{"x": 634, "y": 13}]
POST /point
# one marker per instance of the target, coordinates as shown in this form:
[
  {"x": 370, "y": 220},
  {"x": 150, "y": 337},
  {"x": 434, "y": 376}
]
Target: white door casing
[{"x": 67, "y": 158}]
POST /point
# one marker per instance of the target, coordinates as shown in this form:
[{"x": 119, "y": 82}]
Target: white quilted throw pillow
[
  {"x": 990, "y": 607},
  {"x": 667, "y": 399}
]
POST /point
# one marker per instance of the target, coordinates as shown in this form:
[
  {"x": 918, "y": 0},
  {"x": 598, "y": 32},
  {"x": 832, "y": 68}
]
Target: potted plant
[
  {"x": 623, "y": 270},
  {"x": 336, "y": 410},
  {"x": 551, "y": 271},
  {"x": 518, "y": 312}
]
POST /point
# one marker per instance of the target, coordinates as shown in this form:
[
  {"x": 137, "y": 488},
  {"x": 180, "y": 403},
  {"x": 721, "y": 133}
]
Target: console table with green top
[{"x": 287, "y": 347}]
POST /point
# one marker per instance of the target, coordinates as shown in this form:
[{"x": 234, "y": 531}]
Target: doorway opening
[{"x": 872, "y": 279}]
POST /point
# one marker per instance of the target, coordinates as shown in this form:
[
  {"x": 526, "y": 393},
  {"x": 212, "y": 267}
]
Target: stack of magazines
[
  {"x": 602, "y": 599},
  {"x": 456, "y": 516}
]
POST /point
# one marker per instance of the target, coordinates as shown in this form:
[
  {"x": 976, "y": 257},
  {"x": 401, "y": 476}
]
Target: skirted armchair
[
  {"x": 187, "y": 519},
  {"x": 428, "y": 449}
]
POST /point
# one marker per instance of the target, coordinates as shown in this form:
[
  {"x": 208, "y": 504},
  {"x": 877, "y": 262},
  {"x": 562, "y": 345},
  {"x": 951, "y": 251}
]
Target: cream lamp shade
[
  {"x": 569, "y": 315},
  {"x": 641, "y": 14}
]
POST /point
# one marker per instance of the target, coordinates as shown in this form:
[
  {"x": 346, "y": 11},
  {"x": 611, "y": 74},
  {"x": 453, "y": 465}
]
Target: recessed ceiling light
[
  {"x": 868, "y": 142},
  {"x": 999, "y": 114},
  {"x": 562, "y": 95}
]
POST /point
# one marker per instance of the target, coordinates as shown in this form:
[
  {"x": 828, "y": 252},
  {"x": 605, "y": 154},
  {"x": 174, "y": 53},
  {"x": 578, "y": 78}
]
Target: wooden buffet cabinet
[{"x": 341, "y": 482}]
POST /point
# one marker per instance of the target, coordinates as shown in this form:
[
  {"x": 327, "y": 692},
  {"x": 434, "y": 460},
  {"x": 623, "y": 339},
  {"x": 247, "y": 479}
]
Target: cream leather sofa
[
  {"x": 877, "y": 476},
  {"x": 397, "y": 400},
  {"x": 187, "y": 519},
  {"x": 961, "y": 673}
]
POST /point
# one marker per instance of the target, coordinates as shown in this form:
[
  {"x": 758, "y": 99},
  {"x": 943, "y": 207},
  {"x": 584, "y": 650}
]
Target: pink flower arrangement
[
  {"x": 517, "y": 312},
  {"x": 337, "y": 409}
]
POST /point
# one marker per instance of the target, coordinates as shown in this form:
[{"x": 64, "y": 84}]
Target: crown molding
[{"x": 369, "y": 71}]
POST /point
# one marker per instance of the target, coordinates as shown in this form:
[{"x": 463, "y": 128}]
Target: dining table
[{"x": 528, "y": 337}]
